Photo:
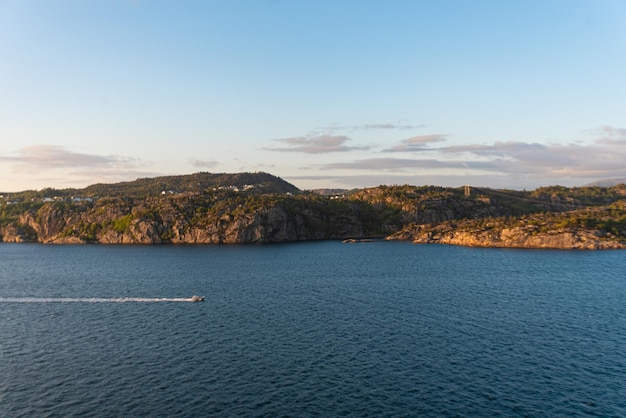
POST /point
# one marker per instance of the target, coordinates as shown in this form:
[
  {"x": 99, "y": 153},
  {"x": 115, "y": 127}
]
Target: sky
[{"x": 324, "y": 94}]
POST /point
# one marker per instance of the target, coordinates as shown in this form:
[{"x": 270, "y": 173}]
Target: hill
[
  {"x": 607, "y": 182},
  {"x": 258, "y": 182},
  {"x": 208, "y": 208}
]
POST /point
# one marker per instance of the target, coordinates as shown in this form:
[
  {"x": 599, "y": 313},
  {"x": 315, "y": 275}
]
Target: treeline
[
  {"x": 259, "y": 182},
  {"x": 170, "y": 207}
]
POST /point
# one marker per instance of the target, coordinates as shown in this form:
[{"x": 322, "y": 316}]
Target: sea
[{"x": 315, "y": 329}]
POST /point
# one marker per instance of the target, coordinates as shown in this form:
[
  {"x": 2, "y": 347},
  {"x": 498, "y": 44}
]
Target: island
[{"x": 247, "y": 208}]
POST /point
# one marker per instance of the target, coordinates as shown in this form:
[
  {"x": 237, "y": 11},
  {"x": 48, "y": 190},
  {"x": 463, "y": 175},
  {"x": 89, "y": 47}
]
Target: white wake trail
[{"x": 93, "y": 300}]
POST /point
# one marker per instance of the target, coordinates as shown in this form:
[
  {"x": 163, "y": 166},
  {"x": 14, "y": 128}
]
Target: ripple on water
[{"x": 384, "y": 329}]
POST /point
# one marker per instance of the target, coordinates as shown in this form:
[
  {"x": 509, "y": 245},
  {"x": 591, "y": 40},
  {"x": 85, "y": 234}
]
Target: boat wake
[{"x": 99, "y": 300}]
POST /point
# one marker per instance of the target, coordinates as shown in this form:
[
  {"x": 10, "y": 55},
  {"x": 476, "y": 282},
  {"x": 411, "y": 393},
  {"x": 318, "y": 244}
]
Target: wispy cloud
[
  {"x": 520, "y": 151},
  {"x": 416, "y": 143},
  {"x": 610, "y": 135},
  {"x": 395, "y": 164},
  {"x": 598, "y": 159},
  {"x": 316, "y": 144},
  {"x": 326, "y": 139},
  {"x": 45, "y": 157},
  {"x": 41, "y": 163},
  {"x": 552, "y": 163},
  {"x": 203, "y": 163},
  {"x": 387, "y": 126}
]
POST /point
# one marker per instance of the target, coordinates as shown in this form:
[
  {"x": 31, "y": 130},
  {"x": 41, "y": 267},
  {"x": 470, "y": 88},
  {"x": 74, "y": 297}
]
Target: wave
[{"x": 93, "y": 300}]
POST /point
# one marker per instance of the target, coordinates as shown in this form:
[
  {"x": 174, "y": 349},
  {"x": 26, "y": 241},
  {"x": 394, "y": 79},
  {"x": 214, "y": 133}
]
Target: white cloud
[
  {"x": 45, "y": 157},
  {"x": 41, "y": 164},
  {"x": 316, "y": 144},
  {"x": 521, "y": 162},
  {"x": 416, "y": 143}
]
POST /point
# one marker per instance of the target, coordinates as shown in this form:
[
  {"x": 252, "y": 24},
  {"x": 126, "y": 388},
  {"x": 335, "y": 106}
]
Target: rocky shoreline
[
  {"x": 266, "y": 210},
  {"x": 277, "y": 225},
  {"x": 516, "y": 237}
]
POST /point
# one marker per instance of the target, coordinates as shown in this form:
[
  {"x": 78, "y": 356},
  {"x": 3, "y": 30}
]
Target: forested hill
[
  {"x": 261, "y": 208},
  {"x": 258, "y": 182}
]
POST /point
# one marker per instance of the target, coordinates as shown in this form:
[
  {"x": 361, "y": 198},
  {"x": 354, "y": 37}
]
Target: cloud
[
  {"x": 550, "y": 163},
  {"x": 396, "y": 164},
  {"x": 533, "y": 153},
  {"x": 42, "y": 164},
  {"x": 497, "y": 148},
  {"x": 370, "y": 180},
  {"x": 384, "y": 164},
  {"x": 595, "y": 159},
  {"x": 370, "y": 127},
  {"x": 511, "y": 164},
  {"x": 610, "y": 135},
  {"x": 416, "y": 143},
  {"x": 325, "y": 140},
  {"x": 316, "y": 144},
  {"x": 386, "y": 126},
  {"x": 91, "y": 176},
  {"x": 46, "y": 157},
  {"x": 203, "y": 163}
]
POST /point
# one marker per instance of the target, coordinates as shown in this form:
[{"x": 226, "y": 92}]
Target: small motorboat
[{"x": 196, "y": 298}]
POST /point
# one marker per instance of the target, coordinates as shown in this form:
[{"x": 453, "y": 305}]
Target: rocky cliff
[
  {"x": 580, "y": 229},
  {"x": 190, "y": 219},
  {"x": 519, "y": 237},
  {"x": 548, "y": 218}
]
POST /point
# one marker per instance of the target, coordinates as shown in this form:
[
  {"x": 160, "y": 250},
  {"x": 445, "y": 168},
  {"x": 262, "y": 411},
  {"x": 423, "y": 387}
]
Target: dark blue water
[{"x": 312, "y": 329}]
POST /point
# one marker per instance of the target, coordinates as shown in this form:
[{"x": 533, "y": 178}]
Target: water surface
[{"x": 311, "y": 329}]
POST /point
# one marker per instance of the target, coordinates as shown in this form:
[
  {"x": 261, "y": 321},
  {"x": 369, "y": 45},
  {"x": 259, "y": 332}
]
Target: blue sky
[{"x": 321, "y": 93}]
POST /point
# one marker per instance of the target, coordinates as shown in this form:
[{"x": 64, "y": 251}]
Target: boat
[{"x": 196, "y": 298}]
